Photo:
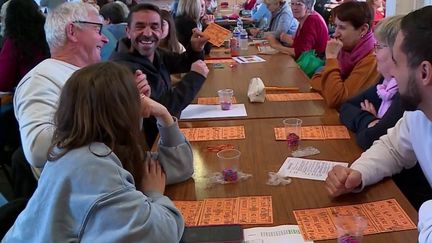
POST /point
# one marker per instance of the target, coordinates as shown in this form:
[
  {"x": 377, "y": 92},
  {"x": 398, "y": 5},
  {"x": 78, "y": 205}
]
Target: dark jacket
[
  {"x": 184, "y": 26},
  {"x": 175, "y": 99},
  {"x": 357, "y": 120}
]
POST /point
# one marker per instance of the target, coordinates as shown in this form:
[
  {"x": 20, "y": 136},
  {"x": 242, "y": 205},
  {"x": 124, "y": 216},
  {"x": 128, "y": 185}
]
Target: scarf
[
  {"x": 386, "y": 91},
  {"x": 347, "y": 60}
]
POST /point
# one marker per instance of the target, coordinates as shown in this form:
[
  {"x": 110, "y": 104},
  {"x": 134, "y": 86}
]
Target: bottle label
[{"x": 234, "y": 46}]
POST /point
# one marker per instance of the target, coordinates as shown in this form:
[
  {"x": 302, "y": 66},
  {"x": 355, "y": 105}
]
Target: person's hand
[
  {"x": 272, "y": 40},
  {"x": 333, "y": 48},
  {"x": 254, "y": 31},
  {"x": 198, "y": 40},
  {"x": 246, "y": 19},
  {"x": 153, "y": 177},
  {"x": 369, "y": 107},
  {"x": 200, "y": 67},
  {"x": 142, "y": 83},
  {"x": 341, "y": 180},
  {"x": 373, "y": 123},
  {"x": 149, "y": 107},
  {"x": 207, "y": 19},
  {"x": 284, "y": 37}
]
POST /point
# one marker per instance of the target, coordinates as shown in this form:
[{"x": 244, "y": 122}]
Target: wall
[{"x": 403, "y": 6}]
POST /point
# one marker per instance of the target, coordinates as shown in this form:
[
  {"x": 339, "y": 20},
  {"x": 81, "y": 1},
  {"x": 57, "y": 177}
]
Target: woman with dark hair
[
  {"x": 114, "y": 19},
  {"x": 371, "y": 113},
  {"x": 100, "y": 183},
  {"x": 24, "y": 43},
  {"x": 169, "y": 39},
  {"x": 351, "y": 65}
]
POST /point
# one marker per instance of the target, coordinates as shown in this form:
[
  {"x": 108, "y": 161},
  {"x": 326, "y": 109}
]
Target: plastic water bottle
[
  {"x": 263, "y": 25},
  {"x": 243, "y": 40},
  {"x": 239, "y": 24},
  {"x": 235, "y": 43},
  {"x": 236, "y": 34}
]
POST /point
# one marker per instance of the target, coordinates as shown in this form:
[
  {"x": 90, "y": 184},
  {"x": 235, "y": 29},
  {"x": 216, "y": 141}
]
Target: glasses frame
[
  {"x": 88, "y": 22},
  {"x": 379, "y": 46}
]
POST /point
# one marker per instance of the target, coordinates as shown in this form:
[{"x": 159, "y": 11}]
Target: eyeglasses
[
  {"x": 297, "y": 4},
  {"x": 98, "y": 25},
  {"x": 379, "y": 46}
]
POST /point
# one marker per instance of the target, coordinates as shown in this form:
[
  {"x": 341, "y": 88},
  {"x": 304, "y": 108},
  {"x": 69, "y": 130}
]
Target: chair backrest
[{"x": 9, "y": 134}]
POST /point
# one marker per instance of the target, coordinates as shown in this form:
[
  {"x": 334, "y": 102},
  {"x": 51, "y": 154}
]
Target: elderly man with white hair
[
  {"x": 73, "y": 32},
  {"x": 75, "y": 40}
]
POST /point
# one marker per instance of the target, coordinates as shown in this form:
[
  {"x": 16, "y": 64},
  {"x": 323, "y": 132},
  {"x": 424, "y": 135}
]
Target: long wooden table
[{"x": 261, "y": 154}]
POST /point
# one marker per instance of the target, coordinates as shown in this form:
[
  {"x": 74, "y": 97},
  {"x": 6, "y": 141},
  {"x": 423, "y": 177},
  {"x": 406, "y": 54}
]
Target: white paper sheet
[
  {"x": 277, "y": 234},
  {"x": 248, "y": 59},
  {"x": 307, "y": 168},
  {"x": 196, "y": 111}
]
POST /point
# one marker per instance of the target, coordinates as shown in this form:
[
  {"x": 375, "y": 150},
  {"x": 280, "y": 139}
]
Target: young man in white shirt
[{"x": 411, "y": 139}]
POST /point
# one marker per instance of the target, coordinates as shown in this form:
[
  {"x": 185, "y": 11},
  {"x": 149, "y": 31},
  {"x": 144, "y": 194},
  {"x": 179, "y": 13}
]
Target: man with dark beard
[
  {"x": 139, "y": 51},
  {"x": 411, "y": 139}
]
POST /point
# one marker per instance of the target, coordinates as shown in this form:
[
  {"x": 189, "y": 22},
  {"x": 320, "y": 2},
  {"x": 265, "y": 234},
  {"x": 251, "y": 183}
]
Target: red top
[
  {"x": 379, "y": 15},
  {"x": 313, "y": 34},
  {"x": 11, "y": 69},
  {"x": 249, "y": 4}
]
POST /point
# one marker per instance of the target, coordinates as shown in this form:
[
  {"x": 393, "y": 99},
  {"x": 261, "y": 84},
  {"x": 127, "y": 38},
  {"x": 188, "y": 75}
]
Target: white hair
[
  {"x": 3, "y": 17},
  {"x": 60, "y": 17}
]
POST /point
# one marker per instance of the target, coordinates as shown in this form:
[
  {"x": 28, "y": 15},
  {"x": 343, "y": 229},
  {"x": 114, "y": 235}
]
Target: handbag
[
  {"x": 309, "y": 62},
  {"x": 256, "y": 90}
]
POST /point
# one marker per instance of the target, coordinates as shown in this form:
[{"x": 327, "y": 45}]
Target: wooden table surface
[{"x": 261, "y": 154}]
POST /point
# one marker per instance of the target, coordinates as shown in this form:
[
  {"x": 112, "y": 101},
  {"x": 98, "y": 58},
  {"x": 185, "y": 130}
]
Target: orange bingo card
[
  {"x": 315, "y": 224},
  {"x": 388, "y": 215},
  {"x": 255, "y": 210},
  {"x": 221, "y": 60},
  {"x": 190, "y": 210},
  {"x": 219, "y": 211},
  {"x": 214, "y": 133},
  {"x": 312, "y": 132},
  {"x": 307, "y": 133},
  {"x": 336, "y": 132},
  {"x": 280, "y": 133},
  {"x": 213, "y": 100},
  {"x": 216, "y": 34},
  {"x": 383, "y": 216},
  {"x": 238, "y": 210},
  {"x": 294, "y": 96}
]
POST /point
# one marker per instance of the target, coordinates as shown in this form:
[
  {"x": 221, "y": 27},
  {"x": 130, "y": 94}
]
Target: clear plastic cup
[
  {"x": 293, "y": 131},
  {"x": 350, "y": 229},
  {"x": 229, "y": 160},
  {"x": 225, "y": 98}
]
